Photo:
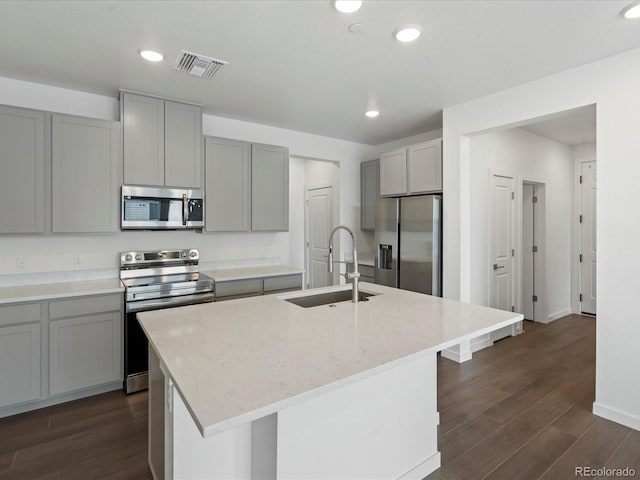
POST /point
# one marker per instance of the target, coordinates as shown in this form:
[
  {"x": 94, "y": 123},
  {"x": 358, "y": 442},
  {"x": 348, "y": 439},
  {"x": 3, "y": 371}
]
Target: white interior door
[
  {"x": 501, "y": 242},
  {"x": 319, "y": 206},
  {"x": 588, "y": 237},
  {"x": 528, "y": 242}
]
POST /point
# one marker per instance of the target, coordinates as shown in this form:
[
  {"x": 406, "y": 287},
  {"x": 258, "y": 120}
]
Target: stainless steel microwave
[{"x": 160, "y": 208}]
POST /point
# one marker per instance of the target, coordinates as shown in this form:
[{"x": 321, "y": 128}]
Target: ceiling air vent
[{"x": 198, "y": 65}]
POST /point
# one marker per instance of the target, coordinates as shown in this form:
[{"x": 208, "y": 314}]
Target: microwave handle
[{"x": 185, "y": 209}]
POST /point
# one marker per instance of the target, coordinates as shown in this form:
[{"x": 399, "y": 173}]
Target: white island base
[{"x": 382, "y": 426}]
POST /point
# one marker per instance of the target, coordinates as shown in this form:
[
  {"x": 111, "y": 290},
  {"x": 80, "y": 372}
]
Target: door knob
[{"x": 496, "y": 266}]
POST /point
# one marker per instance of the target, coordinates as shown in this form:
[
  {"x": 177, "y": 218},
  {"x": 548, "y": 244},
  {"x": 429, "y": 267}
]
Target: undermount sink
[{"x": 328, "y": 298}]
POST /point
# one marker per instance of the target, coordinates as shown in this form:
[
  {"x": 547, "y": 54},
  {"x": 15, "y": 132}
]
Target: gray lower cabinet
[
  {"x": 227, "y": 185},
  {"x": 84, "y": 343},
  {"x": 85, "y": 174},
  {"x": 246, "y": 186},
  {"x": 162, "y": 141},
  {"x": 22, "y": 184},
  {"x": 369, "y": 193},
  {"x": 269, "y": 188},
  {"x": 19, "y": 353},
  {"x": 251, "y": 287}
]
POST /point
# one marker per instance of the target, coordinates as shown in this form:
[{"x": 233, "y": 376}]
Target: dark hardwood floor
[{"x": 519, "y": 410}]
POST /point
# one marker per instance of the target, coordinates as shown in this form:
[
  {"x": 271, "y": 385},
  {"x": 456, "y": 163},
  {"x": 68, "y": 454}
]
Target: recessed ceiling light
[
  {"x": 631, "y": 11},
  {"x": 372, "y": 113},
  {"x": 151, "y": 55},
  {"x": 407, "y": 33},
  {"x": 347, "y": 6}
]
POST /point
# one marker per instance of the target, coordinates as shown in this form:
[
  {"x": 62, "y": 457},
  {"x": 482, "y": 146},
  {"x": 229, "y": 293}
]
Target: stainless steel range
[{"x": 154, "y": 280}]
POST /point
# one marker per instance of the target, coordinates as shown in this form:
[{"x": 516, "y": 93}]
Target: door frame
[{"x": 307, "y": 268}]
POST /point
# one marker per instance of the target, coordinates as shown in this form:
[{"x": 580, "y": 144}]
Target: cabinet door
[
  {"x": 22, "y": 178},
  {"x": 85, "y": 159},
  {"x": 393, "y": 173},
  {"x": 269, "y": 188},
  {"x": 369, "y": 193},
  {"x": 228, "y": 185},
  {"x": 84, "y": 352},
  {"x": 143, "y": 138},
  {"x": 182, "y": 145},
  {"x": 19, "y": 363},
  {"x": 425, "y": 167}
]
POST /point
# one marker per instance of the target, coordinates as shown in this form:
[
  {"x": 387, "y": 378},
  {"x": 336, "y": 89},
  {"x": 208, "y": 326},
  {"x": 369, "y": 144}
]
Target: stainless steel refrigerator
[{"x": 408, "y": 239}]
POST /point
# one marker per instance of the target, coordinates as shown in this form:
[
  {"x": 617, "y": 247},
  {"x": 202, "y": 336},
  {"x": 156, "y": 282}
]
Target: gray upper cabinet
[
  {"x": 22, "y": 184},
  {"x": 393, "y": 173},
  {"x": 182, "y": 145},
  {"x": 143, "y": 136},
  {"x": 369, "y": 193},
  {"x": 269, "y": 188},
  {"x": 162, "y": 142},
  {"x": 227, "y": 185},
  {"x": 85, "y": 177},
  {"x": 412, "y": 170}
]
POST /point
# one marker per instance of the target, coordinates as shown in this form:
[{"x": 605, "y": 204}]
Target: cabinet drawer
[
  {"x": 285, "y": 282},
  {"x": 85, "y": 306},
  {"x": 17, "y": 314},
  {"x": 252, "y": 286}
]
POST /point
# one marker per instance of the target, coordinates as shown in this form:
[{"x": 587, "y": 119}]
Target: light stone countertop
[
  {"x": 237, "y": 361},
  {"x": 48, "y": 291},
  {"x": 243, "y": 273}
]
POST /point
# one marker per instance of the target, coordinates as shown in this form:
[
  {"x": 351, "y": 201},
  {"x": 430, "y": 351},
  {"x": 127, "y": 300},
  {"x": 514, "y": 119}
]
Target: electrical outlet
[
  {"x": 77, "y": 260},
  {"x": 21, "y": 264}
]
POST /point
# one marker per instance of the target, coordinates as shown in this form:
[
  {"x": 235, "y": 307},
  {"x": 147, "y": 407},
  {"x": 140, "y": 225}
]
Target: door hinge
[
  {"x": 513, "y": 252},
  {"x": 534, "y": 298},
  {"x": 580, "y": 178},
  {"x": 580, "y": 258},
  {"x": 513, "y": 196},
  {"x": 580, "y": 297},
  {"x": 534, "y": 249},
  {"x": 513, "y": 309},
  {"x": 534, "y": 199},
  {"x": 580, "y": 218}
]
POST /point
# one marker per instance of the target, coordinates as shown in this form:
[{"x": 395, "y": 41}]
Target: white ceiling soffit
[{"x": 296, "y": 64}]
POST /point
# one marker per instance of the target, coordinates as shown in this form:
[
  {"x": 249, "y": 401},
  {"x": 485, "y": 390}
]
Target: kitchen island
[{"x": 263, "y": 388}]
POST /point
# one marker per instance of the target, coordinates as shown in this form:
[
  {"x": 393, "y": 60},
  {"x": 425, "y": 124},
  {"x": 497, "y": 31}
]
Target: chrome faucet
[{"x": 353, "y": 276}]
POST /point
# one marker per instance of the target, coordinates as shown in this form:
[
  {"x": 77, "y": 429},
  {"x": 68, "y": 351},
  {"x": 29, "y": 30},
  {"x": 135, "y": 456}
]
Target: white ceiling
[
  {"x": 573, "y": 127},
  {"x": 295, "y": 64}
]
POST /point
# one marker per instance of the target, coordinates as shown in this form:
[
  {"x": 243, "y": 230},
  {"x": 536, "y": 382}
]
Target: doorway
[
  {"x": 533, "y": 251},
  {"x": 318, "y": 226}
]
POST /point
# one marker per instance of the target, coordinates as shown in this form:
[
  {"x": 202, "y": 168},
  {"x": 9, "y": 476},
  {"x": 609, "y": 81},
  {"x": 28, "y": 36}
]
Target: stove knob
[
  {"x": 193, "y": 254},
  {"x": 138, "y": 257},
  {"x": 128, "y": 257}
]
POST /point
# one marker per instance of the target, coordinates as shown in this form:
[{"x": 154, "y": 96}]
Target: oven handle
[{"x": 158, "y": 303}]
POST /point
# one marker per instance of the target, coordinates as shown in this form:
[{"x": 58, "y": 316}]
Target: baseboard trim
[
  {"x": 454, "y": 355},
  {"x": 557, "y": 315},
  {"x": 67, "y": 397},
  {"x": 479, "y": 343},
  {"x": 615, "y": 415},
  {"x": 423, "y": 469}
]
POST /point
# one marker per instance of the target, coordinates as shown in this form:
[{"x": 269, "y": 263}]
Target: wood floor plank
[
  {"x": 627, "y": 456},
  {"x": 535, "y": 457},
  {"x": 593, "y": 450},
  {"x": 578, "y": 419},
  {"x": 457, "y": 441},
  {"x": 6, "y": 460}
]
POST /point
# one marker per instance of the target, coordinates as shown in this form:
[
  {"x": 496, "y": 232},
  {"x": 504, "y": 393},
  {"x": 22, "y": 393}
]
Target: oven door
[{"x": 136, "y": 346}]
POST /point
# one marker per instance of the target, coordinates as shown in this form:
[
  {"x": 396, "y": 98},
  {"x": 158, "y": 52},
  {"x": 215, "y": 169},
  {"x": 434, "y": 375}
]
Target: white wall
[
  {"x": 526, "y": 157},
  {"x": 54, "y": 253},
  {"x": 609, "y": 84}
]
